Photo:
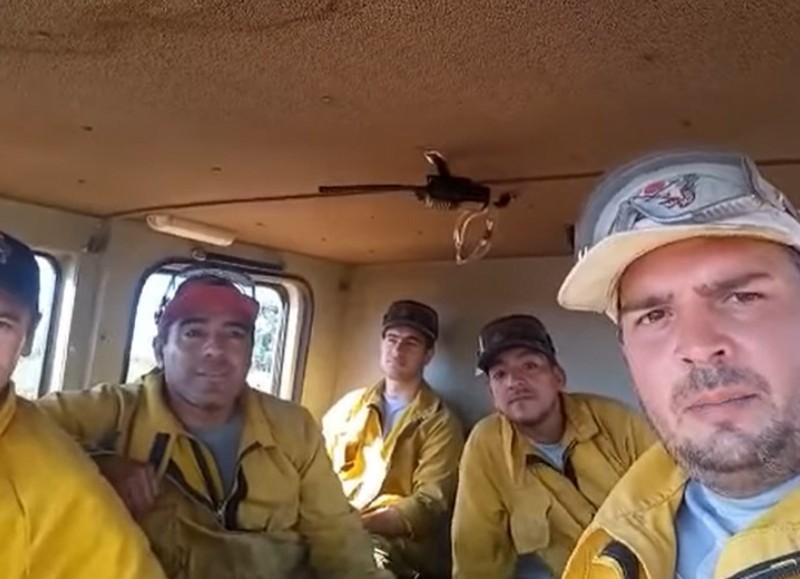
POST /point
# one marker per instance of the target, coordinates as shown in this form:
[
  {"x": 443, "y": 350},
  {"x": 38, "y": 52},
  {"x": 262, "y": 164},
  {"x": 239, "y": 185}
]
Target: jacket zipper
[
  {"x": 780, "y": 568},
  {"x": 222, "y": 507},
  {"x": 218, "y": 511}
]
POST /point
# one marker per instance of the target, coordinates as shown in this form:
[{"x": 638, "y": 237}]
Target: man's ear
[
  {"x": 158, "y": 349},
  {"x": 561, "y": 375},
  {"x": 492, "y": 397},
  {"x": 429, "y": 354},
  {"x": 28, "y": 347}
]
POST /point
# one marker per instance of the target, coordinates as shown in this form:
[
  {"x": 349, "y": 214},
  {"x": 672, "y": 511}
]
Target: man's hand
[
  {"x": 387, "y": 522},
  {"x": 135, "y": 482}
]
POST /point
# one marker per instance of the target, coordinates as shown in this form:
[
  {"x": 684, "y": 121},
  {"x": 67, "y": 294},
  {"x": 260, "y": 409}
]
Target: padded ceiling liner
[{"x": 108, "y": 106}]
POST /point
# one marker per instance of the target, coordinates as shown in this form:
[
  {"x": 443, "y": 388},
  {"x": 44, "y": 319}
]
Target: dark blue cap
[{"x": 19, "y": 272}]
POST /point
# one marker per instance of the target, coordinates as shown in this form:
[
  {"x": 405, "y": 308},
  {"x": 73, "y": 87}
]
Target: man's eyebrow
[
  {"x": 190, "y": 321},
  {"x": 722, "y": 286},
  {"x": 645, "y": 303},
  {"x": 732, "y": 283},
  {"x": 12, "y": 315},
  {"x": 411, "y": 338},
  {"x": 239, "y": 325}
]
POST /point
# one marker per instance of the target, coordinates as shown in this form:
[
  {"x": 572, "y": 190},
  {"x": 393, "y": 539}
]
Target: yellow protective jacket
[
  {"x": 285, "y": 515},
  {"x": 59, "y": 519},
  {"x": 413, "y": 468},
  {"x": 510, "y": 500},
  {"x": 633, "y": 534}
]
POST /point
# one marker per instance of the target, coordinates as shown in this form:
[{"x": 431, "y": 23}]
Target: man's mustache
[{"x": 702, "y": 379}]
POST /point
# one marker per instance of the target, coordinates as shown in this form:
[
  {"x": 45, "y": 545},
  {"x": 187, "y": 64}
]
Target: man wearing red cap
[
  {"x": 226, "y": 481},
  {"x": 396, "y": 446}
]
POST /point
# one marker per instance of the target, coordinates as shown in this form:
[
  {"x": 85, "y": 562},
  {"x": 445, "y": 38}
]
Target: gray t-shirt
[
  {"x": 223, "y": 442},
  {"x": 554, "y": 453},
  {"x": 392, "y": 409},
  {"x": 530, "y": 565}
]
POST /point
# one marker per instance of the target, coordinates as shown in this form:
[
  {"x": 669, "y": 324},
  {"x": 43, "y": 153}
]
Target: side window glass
[{"x": 270, "y": 333}]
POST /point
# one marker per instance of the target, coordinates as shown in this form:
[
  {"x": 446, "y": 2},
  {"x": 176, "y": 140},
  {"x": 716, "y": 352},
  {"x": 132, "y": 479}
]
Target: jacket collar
[
  {"x": 8, "y": 406},
  {"x": 157, "y": 409},
  {"x": 256, "y": 428},
  {"x": 646, "y": 499},
  {"x": 579, "y": 426},
  {"x": 640, "y": 492},
  {"x": 425, "y": 402},
  {"x": 640, "y": 513}
]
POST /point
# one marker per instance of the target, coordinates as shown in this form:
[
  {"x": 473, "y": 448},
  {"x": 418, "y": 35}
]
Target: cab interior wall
[
  {"x": 106, "y": 285},
  {"x": 467, "y": 297},
  {"x": 348, "y": 302}
]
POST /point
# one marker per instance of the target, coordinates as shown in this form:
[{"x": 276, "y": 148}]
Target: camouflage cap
[
  {"x": 413, "y": 314},
  {"x": 515, "y": 331}
]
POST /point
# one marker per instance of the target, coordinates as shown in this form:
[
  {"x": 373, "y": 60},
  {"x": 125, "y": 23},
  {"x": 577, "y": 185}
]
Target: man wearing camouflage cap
[
  {"x": 227, "y": 481},
  {"x": 396, "y": 446},
  {"x": 694, "y": 256},
  {"x": 534, "y": 473}
]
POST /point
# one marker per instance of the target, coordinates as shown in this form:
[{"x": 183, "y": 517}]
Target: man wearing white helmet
[{"x": 694, "y": 256}]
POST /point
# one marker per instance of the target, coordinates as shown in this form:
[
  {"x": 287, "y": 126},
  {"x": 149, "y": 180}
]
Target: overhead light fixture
[{"x": 187, "y": 229}]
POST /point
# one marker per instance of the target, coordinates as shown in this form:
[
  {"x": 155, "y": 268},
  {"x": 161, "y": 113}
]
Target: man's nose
[
  {"x": 699, "y": 340},
  {"x": 213, "y": 345},
  {"x": 514, "y": 379}
]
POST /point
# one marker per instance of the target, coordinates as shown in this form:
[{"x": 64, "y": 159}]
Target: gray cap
[{"x": 664, "y": 198}]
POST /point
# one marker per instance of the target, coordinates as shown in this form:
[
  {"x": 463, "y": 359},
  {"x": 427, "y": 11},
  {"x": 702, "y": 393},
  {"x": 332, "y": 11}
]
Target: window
[
  {"x": 275, "y": 344},
  {"x": 30, "y": 372}
]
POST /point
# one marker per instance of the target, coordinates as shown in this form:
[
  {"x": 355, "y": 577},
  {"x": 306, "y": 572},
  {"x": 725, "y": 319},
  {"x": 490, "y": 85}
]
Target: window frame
[{"x": 263, "y": 274}]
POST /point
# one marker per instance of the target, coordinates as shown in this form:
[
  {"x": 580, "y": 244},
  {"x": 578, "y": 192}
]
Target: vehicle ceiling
[{"x": 108, "y": 106}]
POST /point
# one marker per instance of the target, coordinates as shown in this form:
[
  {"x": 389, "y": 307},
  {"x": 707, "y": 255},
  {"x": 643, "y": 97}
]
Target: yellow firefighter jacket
[
  {"x": 413, "y": 468},
  {"x": 510, "y": 500},
  {"x": 59, "y": 517},
  {"x": 633, "y": 534},
  {"x": 285, "y": 515}
]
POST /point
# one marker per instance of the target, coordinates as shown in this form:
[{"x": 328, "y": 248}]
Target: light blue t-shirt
[
  {"x": 706, "y": 520},
  {"x": 392, "y": 409},
  {"x": 554, "y": 453},
  {"x": 223, "y": 442},
  {"x": 530, "y": 565}
]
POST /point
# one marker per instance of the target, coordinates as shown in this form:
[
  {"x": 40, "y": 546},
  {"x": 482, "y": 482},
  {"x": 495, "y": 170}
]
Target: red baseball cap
[{"x": 204, "y": 295}]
